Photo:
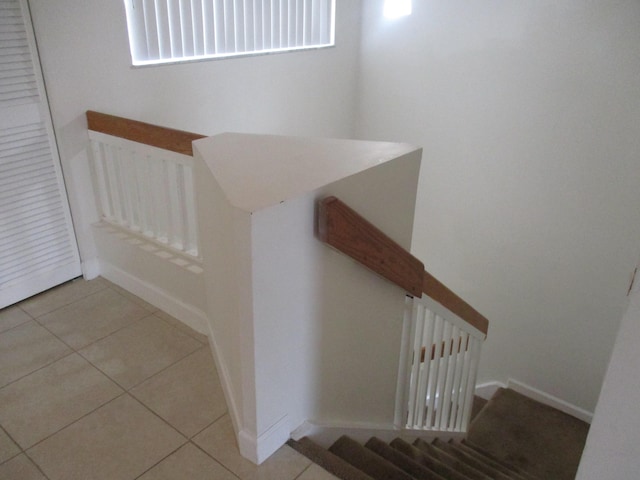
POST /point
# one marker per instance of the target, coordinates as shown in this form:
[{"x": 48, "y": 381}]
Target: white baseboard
[
  {"x": 325, "y": 434},
  {"x": 550, "y": 400},
  {"x": 259, "y": 449},
  {"x": 90, "y": 269},
  {"x": 225, "y": 380},
  {"x": 489, "y": 389},
  {"x": 188, "y": 314}
]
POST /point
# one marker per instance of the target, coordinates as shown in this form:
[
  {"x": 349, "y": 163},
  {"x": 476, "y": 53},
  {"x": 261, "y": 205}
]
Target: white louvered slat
[
  {"x": 235, "y": 16},
  {"x": 208, "y": 28},
  {"x": 164, "y": 31},
  {"x": 37, "y": 245},
  {"x": 174, "y": 30},
  {"x": 41, "y": 222},
  {"x": 217, "y": 27},
  {"x": 186, "y": 28},
  {"x": 197, "y": 26},
  {"x": 149, "y": 36},
  {"x": 15, "y": 59},
  {"x": 275, "y": 24}
]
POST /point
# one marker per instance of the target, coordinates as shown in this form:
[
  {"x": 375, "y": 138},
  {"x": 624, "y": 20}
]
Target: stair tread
[
  {"x": 484, "y": 453},
  {"x": 496, "y": 463},
  {"x": 451, "y": 461},
  {"x": 478, "y": 464},
  {"x": 366, "y": 460},
  {"x": 433, "y": 464},
  {"x": 327, "y": 460},
  {"x": 416, "y": 470},
  {"x": 531, "y": 435}
]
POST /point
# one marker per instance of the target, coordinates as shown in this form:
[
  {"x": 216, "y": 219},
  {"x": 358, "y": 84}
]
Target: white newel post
[{"x": 300, "y": 332}]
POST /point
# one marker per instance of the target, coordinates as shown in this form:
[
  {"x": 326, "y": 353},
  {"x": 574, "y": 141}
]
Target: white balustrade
[
  {"x": 146, "y": 190},
  {"x": 438, "y": 366}
]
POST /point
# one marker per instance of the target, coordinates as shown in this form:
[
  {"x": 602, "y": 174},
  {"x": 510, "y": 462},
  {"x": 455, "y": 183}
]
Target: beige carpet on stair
[{"x": 530, "y": 435}]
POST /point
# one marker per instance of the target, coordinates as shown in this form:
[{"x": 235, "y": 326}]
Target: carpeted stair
[{"x": 513, "y": 437}]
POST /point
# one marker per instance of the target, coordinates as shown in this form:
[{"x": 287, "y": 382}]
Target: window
[
  {"x": 165, "y": 31},
  {"x": 397, "y": 8}
]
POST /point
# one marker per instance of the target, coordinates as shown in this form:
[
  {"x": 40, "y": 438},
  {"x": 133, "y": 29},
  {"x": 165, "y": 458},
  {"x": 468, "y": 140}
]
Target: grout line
[
  {"x": 128, "y": 389},
  {"x": 125, "y": 391},
  {"x": 37, "y": 466},
  {"x": 157, "y": 415},
  {"x": 21, "y": 450},
  {"x": 38, "y": 369},
  {"x": 19, "y": 325},
  {"x": 162, "y": 460},
  {"x": 226, "y": 412},
  {"x": 163, "y": 369},
  {"x": 179, "y": 328},
  {"x": 61, "y": 286},
  {"x": 17, "y": 305},
  {"x": 212, "y": 457},
  {"x": 75, "y": 421},
  {"x": 302, "y": 473},
  {"x": 133, "y": 322},
  {"x": 118, "y": 289}
]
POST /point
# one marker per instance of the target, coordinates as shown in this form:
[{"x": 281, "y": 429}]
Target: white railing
[
  {"x": 438, "y": 366},
  {"x": 146, "y": 190}
]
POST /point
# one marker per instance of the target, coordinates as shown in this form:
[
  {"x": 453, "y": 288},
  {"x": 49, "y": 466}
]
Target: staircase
[
  {"x": 513, "y": 437},
  {"x": 400, "y": 460}
]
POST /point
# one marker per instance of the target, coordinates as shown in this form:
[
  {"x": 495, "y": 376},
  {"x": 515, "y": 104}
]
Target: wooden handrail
[
  {"x": 346, "y": 230},
  {"x": 147, "y": 133},
  {"x": 437, "y": 291}
]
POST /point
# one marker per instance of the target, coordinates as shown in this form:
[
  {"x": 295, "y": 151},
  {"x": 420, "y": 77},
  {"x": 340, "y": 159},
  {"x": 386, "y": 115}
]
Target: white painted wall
[
  {"x": 303, "y": 333},
  {"x": 86, "y": 63},
  {"x": 529, "y": 116},
  {"x": 612, "y": 449}
]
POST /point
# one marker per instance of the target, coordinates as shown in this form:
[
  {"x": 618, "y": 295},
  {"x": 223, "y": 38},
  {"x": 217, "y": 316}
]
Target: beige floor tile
[
  {"x": 188, "y": 394},
  {"x": 314, "y": 472},
  {"x": 188, "y": 463},
  {"x": 132, "y": 297},
  {"x": 183, "y": 327},
  {"x": 20, "y": 468},
  {"x": 218, "y": 440},
  {"x": 285, "y": 464},
  {"x": 62, "y": 295},
  {"x": 40, "y": 404},
  {"x": 119, "y": 441},
  {"x": 25, "y": 348},
  {"x": 138, "y": 351},
  {"x": 11, "y": 317},
  {"x": 92, "y": 318},
  {"x": 8, "y": 448}
]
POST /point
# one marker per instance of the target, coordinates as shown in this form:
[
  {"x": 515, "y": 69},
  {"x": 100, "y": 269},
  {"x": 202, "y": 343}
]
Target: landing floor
[{"x": 97, "y": 384}]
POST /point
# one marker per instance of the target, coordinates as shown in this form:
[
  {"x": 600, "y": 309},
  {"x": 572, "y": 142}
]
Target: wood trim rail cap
[
  {"x": 439, "y": 292},
  {"x": 161, "y": 137},
  {"x": 347, "y": 231}
]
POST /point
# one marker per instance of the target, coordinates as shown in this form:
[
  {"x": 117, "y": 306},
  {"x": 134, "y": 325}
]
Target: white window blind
[
  {"x": 17, "y": 78},
  {"x": 164, "y": 31}
]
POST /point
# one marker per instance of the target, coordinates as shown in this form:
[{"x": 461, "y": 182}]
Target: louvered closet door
[{"x": 37, "y": 244}]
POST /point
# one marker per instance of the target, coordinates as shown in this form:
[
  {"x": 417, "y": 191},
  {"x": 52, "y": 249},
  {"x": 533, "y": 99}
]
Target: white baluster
[
  {"x": 427, "y": 342},
  {"x": 416, "y": 335},
  {"x": 434, "y": 365},
  {"x": 475, "y": 359},
  {"x": 451, "y": 353}
]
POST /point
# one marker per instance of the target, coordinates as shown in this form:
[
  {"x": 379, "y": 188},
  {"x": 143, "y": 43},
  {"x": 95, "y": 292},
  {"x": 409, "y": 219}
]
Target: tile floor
[{"x": 95, "y": 383}]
